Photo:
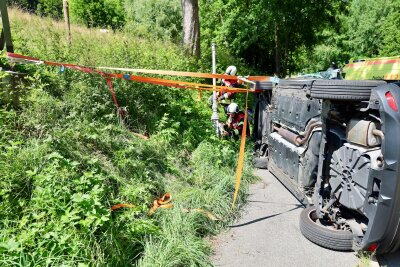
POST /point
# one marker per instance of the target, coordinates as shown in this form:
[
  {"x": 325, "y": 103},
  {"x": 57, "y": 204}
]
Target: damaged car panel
[{"x": 335, "y": 145}]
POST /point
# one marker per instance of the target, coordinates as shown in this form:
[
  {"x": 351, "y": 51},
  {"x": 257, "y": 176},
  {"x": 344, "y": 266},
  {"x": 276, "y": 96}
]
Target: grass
[
  {"x": 65, "y": 159},
  {"x": 365, "y": 258}
]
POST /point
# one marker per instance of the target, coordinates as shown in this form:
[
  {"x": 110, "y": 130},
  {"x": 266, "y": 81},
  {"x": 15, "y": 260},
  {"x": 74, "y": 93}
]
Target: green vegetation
[
  {"x": 270, "y": 36},
  {"x": 360, "y": 29},
  {"x": 366, "y": 259},
  {"x": 65, "y": 159}
]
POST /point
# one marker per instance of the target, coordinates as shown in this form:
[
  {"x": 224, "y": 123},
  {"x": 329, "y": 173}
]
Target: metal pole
[
  {"x": 66, "y": 17},
  {"x": 214, "y": 116}
]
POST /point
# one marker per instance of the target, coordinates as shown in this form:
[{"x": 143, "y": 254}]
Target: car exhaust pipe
[
  {"x": 302, "y": 139},
  {"x": 296, "y": 139},
  {"x": 286, "y": 134}
]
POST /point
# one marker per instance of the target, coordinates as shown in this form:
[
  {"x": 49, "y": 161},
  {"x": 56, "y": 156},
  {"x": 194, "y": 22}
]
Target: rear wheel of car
[
  {"x": 343, "y": 89},
  {"x": 323, "y": 235}
]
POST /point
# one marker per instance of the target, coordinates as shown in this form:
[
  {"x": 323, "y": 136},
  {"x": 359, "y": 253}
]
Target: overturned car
[{"x": 335, "y": 144}]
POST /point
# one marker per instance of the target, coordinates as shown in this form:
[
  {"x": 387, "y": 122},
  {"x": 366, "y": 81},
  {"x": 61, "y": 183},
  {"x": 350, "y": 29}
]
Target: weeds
[{"x": 65, "y": 159}]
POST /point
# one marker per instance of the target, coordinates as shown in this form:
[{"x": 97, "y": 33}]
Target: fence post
[
  {"x": 6, "y": 32},
  {"x": 66, "y": 18}
]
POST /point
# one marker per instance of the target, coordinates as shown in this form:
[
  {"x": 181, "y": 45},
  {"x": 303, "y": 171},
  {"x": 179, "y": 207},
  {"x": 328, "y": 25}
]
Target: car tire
[
  {"x": 343, "y": 89},
  {"x": 340, "y": 240},
  {"x": 294, "y": 84},
  {"x": 264, "y": 85}
]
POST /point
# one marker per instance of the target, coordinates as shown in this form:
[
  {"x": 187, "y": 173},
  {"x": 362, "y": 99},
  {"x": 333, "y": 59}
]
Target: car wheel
[
  {"x": 343, "y": 89},
  {"x": 325, "y": 236}
]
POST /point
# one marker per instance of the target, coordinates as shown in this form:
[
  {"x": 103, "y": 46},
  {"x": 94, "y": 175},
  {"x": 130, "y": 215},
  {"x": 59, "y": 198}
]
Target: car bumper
[{"x": 384, "y": 220}]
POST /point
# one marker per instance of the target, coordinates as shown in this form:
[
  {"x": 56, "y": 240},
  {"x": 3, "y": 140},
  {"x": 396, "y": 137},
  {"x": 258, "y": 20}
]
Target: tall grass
[{"x": 65, "y": 159}]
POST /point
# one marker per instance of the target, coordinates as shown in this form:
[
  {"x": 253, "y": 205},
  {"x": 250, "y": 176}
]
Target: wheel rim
[{"x": 312, "y": 215}]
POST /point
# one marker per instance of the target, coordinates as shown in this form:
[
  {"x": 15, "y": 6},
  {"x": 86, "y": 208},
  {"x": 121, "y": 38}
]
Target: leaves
[
  {"x": 257, "y": 30},
  {"x": 10, "y": 246}
]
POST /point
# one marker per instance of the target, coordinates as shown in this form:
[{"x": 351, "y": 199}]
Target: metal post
[
  {"x": 6, "y": 32},
  {"x": 214, "y": 117},
  {"x": 66, "y": 17}
]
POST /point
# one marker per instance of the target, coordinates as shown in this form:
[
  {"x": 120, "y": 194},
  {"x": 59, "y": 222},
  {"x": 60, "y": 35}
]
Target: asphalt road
[{"x": 268, "y": 233}]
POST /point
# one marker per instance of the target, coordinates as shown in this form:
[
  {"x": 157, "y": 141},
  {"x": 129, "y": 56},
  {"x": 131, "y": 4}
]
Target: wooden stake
[
  {"x": 66, "y": 17},
  {"x": 5, "y": 38}
]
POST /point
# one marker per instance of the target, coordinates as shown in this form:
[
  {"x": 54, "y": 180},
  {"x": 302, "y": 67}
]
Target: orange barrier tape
[
  {"x": 259, "y": 78},
  {"x": 205, "y": 212},
  {"x": 156, "y": 81},
  {"x": 241, "y": 155},
  {"x": 179, "y": 84},
  {"x": 186, "y": 74},
  {"x": 110, "y": 87},
  {"x": 118, "y": 206},
  {"x": 162, "y": 203},
  {"x": 140, "y": 135}
]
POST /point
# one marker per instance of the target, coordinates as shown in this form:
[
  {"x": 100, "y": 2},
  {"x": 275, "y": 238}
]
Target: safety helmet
[
  {"x": 233, "y": 108},
  {"x": 231, "y": 70}
]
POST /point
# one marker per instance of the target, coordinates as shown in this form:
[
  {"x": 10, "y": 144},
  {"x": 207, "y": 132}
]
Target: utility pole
[
  {"x": 66, "y": 18},
  {"x": 214, "y": 116}
]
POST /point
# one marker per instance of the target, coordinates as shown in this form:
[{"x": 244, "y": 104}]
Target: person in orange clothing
[
  {"x": 231, "y": 70},
  {"x": 234, "y": 124},
  {"x": 225, "y": 98}
]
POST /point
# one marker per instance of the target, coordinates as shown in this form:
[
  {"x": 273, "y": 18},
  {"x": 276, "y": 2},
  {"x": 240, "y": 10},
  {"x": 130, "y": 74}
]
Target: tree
[
  {"x": 266, "y": 33},
  {"x": 27, "y": 5},
  {"x": 98, "y": 13},
  {"x": 191, "y": 27},
  {"x": 296, "y": 25},
  {"x": 391, "y": 40},
  {"x": 50, "y": 8},
  {"x": 161, "y": 18},
  {"x": 365, "y": 30}
]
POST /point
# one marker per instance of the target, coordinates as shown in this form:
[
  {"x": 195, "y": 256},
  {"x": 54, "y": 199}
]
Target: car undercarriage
[{"x": 335, "y": 145}]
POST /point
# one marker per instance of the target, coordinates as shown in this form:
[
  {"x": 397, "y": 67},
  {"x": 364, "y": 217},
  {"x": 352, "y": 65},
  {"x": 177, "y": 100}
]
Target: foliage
[
  {"x": 286, "y": 26},
  {"x": 65, "y": 159},
  {"x": 364, "y": 26},
  {"x": 162, "y": 18},
  {"x": 52, "y": 8},
  {"x": 98, "y": 13},
  {"x": 269, "y": 36},
  {"x": 391, "y": 31}
]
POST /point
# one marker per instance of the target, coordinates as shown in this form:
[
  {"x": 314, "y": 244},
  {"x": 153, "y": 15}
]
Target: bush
[
  {"x": 98, "y": 13},
  {"x": 65, "y": 158}
]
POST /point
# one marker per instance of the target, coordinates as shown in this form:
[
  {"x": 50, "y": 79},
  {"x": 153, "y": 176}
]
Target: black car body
[{"x": 335, "y": 144}]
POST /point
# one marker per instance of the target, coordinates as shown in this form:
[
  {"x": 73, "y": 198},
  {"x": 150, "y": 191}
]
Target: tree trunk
[
  {"x": 286, "y": 55},
  {"x": 191, "y": 27},
  {"x": 277, "y": 54}
]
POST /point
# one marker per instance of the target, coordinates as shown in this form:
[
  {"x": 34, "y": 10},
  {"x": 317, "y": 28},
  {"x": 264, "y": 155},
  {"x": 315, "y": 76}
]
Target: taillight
[
  {"x": 372, "y": 247},
  {"x": 391, "y": 101}
]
